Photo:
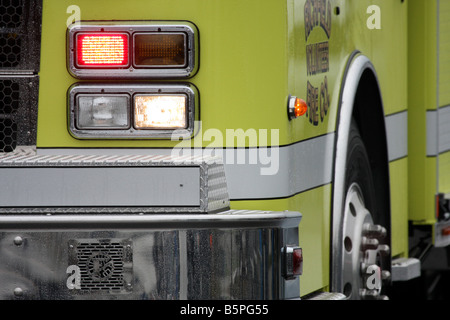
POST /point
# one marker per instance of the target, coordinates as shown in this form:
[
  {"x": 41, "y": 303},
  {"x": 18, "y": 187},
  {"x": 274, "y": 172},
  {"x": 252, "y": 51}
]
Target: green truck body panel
[{"x": 253, "y": 55}]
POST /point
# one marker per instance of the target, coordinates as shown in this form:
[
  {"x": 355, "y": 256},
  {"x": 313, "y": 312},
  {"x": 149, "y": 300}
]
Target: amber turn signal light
[
  {"x": 296, "y": 107},
  {"x": 160, "y": 50}
]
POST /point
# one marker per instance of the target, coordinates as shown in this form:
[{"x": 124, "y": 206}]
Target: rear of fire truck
[{"x": 96, "y": 201}]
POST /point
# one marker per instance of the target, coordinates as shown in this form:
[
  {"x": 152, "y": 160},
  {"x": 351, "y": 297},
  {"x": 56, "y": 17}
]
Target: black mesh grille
[
  {"x": 9, "y": 96},
  {"x": 11, "y": 12},
  {"x": 10, "y": 50},
  {"x": 18, "y": 112},
  {"x": 20, "y": 26},
  {"x": 8, "y": 135},
  {"x": 20, "y": 36}
]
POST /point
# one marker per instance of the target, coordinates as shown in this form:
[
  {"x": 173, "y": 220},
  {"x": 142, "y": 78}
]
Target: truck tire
[{"x": 364, "y": 248}]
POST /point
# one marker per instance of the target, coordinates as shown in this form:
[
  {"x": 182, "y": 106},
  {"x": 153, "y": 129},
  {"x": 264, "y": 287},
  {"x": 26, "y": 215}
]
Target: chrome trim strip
[
  {"x": 291, "y": 169},
  {"x": 132, "y": 27},
  {"x": 277, "y": 172},
  {"x": 432, "y": 133},
  {"x": 325, "y": 296},
  {"x": 11, "y": 73},
  {"x": 438, "y": 131},
  {"x": 297, "y": 168},
  {"x": 226, "y": 219},
  {"x": 397, "y": 135}
]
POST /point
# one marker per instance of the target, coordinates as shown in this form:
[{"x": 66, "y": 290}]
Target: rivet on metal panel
[
  {"x": 18, "y": 292},
  {"x": 18, "y": 241}
]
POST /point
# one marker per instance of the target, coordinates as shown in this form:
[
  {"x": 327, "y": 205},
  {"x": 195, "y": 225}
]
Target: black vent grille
[
  {"x": 10, "y": 49},
  {"x": 11, "y": 13},
  {"x": 18, "y": 112},
  {"x": 20, "y": 36},
  {"x": 9, "y": 96},
  {"x": 8, "y": 135},
  {"x": 105, "y": 266}
]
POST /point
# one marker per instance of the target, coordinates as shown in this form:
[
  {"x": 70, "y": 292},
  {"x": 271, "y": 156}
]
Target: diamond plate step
[{"x": 111, "y": 184}]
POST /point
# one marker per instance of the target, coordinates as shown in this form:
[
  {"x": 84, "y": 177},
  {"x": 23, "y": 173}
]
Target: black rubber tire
[{"x": 358, "y": 170}]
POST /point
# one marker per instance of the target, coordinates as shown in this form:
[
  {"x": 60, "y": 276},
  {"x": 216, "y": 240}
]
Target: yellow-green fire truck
[{"x": 208, "y": 149}]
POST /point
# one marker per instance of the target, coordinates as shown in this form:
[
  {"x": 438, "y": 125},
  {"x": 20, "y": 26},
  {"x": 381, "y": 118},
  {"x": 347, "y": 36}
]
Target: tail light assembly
[
  {"x": 135, "y": 110},
  {"x": 114, "y": 60},
  {"x": 132, "y": 50}
]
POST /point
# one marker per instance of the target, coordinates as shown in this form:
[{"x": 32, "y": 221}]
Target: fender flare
[{"x": 356, "y": 66}]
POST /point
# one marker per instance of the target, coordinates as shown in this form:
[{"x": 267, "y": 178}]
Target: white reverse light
[{"x": 160, "y": 111}]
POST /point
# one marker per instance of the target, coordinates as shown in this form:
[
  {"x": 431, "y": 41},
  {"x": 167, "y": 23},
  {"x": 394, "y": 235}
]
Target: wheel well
[
  {"x": 369, "y": 115},
  {"x": 361, "y": 102}
]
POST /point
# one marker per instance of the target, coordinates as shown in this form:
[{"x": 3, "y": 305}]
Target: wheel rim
[{"x": 363, "y": 251}]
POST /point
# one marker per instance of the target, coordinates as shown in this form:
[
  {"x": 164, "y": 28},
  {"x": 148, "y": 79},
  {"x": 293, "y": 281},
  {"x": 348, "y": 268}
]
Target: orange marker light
[
  {"x": 300, "y": 107},
  {"x": 296, "y": 107},
  {"x": 102, "y": 50}
]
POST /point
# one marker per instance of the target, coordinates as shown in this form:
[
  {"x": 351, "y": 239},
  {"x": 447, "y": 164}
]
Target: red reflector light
[
  {"x": 102, "y": 50},
  {"x": 297, "y": 262},
  {"x": 446, "y": 231},
  {"x": 293, "y": 261}
]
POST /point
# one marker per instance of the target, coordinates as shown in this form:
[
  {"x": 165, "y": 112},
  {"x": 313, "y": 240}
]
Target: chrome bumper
[{"x": 228, "y": 255}]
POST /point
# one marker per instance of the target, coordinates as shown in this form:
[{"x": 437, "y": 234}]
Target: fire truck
[{"x": 276, "y": 149}]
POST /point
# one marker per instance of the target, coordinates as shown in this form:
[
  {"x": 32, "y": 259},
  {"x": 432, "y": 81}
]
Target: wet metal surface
[{"x": 167, "y": 259}]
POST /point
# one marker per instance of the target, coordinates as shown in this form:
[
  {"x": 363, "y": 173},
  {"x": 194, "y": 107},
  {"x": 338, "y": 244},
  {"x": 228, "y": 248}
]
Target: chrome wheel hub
[{"x": 362, "y": 250}]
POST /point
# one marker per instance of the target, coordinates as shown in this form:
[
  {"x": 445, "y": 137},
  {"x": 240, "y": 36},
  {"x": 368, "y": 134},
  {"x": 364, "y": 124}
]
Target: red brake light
[{"x": 102, "y": 50}]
